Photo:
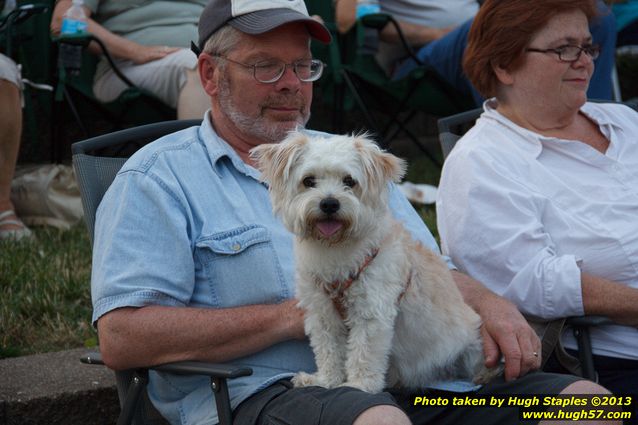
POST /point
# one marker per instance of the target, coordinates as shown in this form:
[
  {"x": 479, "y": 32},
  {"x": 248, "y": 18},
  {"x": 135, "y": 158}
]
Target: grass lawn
[{"x": 44, "y": 288}]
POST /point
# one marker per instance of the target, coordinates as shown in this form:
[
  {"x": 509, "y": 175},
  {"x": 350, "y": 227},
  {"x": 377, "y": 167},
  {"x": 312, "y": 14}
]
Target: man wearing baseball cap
[{"x": 191, "y": 264}]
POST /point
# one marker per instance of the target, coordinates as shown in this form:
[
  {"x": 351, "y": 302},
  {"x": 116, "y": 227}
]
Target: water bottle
[
  {"x": 366, "y": 7},
  {"x": 74, "y": 22}
]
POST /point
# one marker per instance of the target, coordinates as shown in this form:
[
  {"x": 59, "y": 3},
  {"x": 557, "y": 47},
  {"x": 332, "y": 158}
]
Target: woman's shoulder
[
  {"x": 493, "y": 140},
  {"x": 612, "y": 112}
]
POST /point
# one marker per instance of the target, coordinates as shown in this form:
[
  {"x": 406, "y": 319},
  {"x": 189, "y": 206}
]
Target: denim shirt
[{"x": 187, "y": 223}]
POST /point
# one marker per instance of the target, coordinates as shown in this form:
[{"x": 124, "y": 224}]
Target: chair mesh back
[
  {"x": 95, "y": 175},
  {"x": 453, "y": 127}
]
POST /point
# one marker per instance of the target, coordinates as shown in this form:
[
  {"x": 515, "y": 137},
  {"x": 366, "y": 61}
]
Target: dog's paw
[
  {"x": 369, "y": 387},
  {"x": 303, "y": 379}
]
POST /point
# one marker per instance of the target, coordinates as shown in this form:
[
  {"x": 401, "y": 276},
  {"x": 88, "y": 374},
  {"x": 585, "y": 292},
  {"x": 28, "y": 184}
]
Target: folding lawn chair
[
  {"x": 96, "y": 161},
  {"x": 398, "y": 100},
  {"x": 451, "y": 129},
  {"x": 74, "y": 88}
]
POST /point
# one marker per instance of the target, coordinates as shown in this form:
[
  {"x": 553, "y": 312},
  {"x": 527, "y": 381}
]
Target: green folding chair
[
  {"x": 396, "y": 102},
  {"x": 74, "y": 95}
]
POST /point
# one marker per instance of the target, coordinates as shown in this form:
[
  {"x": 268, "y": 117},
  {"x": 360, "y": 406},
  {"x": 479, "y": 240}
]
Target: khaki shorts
[
  {"x": 164, "y": 77},
  {"x": 9, "y": 71}
]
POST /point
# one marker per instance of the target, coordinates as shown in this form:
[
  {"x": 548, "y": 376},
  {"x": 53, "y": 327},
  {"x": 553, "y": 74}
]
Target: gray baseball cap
[{"x": 256, "y": 17}]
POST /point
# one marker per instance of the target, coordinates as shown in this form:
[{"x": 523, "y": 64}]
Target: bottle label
[
  {"x": 367, "y": 8},
  {"x": 70, "y": 26}
]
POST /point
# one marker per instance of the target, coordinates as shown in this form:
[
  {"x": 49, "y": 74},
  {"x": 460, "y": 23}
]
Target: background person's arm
[{"x": 118, "y": 47}]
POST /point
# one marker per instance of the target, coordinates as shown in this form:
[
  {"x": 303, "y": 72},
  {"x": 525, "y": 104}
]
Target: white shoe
[{"x": 20, "y": 233}]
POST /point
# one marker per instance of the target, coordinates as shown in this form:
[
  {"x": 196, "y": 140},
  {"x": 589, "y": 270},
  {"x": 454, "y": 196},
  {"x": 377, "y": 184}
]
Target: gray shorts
[
  {"x": 282, "y": 404},
  {"x": 9, "y": 71},
  {"x": 164, "y": 77}
]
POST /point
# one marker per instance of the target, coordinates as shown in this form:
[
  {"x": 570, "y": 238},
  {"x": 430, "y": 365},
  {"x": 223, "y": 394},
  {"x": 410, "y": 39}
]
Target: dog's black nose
[{"x": 329, "y": 205}]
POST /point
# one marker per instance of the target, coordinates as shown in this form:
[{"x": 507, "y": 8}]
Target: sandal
[{"x": 9, "y": 217}]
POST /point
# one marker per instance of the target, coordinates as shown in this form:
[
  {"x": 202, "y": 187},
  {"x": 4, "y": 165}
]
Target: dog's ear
[
  {"x": 378, "y": 165},
  {"x": 275, "y": 160}
]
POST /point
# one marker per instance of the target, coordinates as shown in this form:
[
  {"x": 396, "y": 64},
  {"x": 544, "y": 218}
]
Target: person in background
[
  {"x": 539, "y": 199},
  {"x": 150, "y": 42},
  {"x": 438, "y": 30},
  {"x": 626, "y": 13},
  {"x": 11, "y": 227},
  {"x": 209, "y": 274}
]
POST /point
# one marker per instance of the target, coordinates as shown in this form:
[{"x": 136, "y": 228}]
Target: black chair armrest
[
  {"x": 589, "y": 321},
  {"x": 218, "y": 374},
  {"x": 217, "y": 370},
  {"x": 17, "y": 16},
  {"x": 378, "y": 21},
  {"x": 84, "y": 40}
]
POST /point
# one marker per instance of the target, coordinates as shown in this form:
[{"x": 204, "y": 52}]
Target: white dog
[{"x": 381, "y": 310}]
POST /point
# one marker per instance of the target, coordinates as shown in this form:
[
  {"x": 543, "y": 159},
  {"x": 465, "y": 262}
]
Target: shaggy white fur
[{"x": 381, "y": 310}]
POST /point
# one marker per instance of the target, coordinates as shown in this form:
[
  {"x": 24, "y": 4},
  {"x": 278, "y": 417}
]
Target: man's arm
[
  {"x": 146, "y": 336},
  {"x": 505, "y": 331}
]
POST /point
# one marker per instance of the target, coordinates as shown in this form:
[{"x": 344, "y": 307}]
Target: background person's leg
[
  {"x": 193, "y": 100},
  {"x": 445, "y": 56},
  {"x": 10, "y": 132}
]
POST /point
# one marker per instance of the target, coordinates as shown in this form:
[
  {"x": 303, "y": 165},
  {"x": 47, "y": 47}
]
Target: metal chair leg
[
  {"x": 222, "y": 400},
  {"x": 585, "y": 352},
  {"x": 138, "y": 384}
]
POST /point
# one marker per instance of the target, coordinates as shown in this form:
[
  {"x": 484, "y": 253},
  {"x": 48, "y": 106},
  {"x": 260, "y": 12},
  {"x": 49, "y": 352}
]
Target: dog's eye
[
  {"x": 349, "y": 181},
  {"x": 309, "y": 181}
]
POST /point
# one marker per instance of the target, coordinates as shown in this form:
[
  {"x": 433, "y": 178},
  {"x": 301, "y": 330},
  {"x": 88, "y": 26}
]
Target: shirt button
[{"x": 236, "y": 247}]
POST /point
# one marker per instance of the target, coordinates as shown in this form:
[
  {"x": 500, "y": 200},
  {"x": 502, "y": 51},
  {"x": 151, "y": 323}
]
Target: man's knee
[
  {"x": 382, "y": 415},
  {"x": 585, "y": 387},
  {"x": 589, "y": 387}
]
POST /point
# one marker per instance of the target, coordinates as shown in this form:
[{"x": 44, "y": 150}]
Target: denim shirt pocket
[{"x": 239, "y": 267}]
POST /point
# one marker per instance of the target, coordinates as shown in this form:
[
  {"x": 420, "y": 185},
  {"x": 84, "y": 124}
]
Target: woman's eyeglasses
[{"x": 570, "y": 52}]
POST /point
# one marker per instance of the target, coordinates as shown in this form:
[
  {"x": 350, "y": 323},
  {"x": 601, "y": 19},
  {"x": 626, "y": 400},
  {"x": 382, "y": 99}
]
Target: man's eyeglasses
[
  {"x": 571, "y": 53},
  {"x": 271, "y": 71}
]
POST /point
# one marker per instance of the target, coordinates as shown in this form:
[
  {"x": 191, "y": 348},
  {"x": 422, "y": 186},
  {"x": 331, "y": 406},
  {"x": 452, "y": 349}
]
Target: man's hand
[{"x": 505, "y": 331}]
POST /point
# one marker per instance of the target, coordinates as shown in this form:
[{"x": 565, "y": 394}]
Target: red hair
[{"x": 503, "y": 29}]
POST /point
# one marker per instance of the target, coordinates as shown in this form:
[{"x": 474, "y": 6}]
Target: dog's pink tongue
[{"x": 329, "y": 227}]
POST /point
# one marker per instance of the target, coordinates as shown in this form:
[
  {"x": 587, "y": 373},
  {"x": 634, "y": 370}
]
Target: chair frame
[
  {"x": 131, "y": 389},
  {"x": 67, "y": 92},
  {"x": 422, "y": 75}
]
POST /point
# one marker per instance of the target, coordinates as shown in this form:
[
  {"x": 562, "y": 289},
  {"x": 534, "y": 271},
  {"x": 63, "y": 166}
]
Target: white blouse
[{"x": 525, "y": 214}]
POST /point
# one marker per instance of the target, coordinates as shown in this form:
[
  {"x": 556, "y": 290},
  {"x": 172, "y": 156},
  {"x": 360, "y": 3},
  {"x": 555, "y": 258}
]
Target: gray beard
[{"x": 258, "y": 127}]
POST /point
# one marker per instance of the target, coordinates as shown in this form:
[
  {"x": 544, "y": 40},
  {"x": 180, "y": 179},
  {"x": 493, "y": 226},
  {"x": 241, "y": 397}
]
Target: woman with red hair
[{"x": 539, "y": 200}]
